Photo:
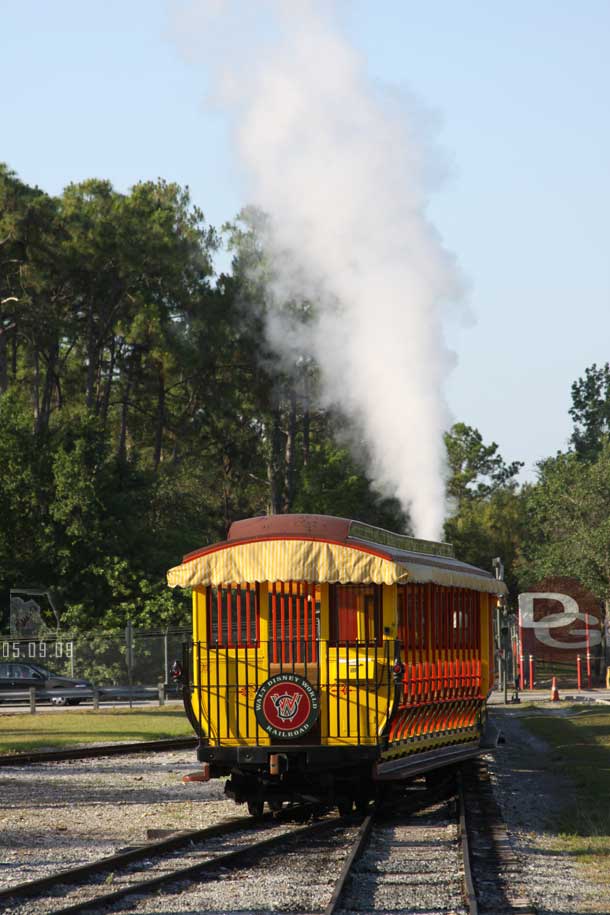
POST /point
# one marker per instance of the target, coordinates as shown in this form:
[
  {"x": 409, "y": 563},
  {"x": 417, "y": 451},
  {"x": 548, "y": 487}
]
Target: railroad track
[
  {"x": 404, "y": 856},
  {"x": 494, "y": 882},
  {"x": 409, "y": 858},
  {"x": 112, "y": 749},
  {"x": 85, "y": 888}
]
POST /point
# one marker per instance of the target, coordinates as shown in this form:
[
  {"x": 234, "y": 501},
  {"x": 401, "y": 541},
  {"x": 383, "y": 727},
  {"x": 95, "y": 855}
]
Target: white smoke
[{"x": 340, "y": 167}]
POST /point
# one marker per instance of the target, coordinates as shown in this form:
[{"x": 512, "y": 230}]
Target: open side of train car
[{"x": 328, "y": 656}]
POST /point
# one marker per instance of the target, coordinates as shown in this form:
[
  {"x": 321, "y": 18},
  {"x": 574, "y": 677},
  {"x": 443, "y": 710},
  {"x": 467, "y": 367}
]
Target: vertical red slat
[
  {"x": 306, "y": 621},
  {"x": 283, "y": 619},
  {"x": 274, "y": 621},
  {"x": 452, "y": 610},
  {"x": 464, "y": 624},
  {"x": 291, "y": 586},
  {"x": 464, "y": 635},
  {"x": 472, "y": 627},
  {"x": 474, "y": 602},
  {"x": 230, "y": 641},
  {"x": 407, "y": 611},
  {"x": 299, "y": 599},
  {"x": 239, "y": 638},
  {"x": 439, "y": 619},
  {"x": 248, "y": 617},
  {"x": 430, "y": 610},
  {"x": 219, "y": 614},
  {"x": 426, "y": 616},
  {"x": 314, "y": 644}
]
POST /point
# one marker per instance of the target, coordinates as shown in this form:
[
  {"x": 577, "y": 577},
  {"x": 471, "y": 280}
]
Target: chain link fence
[{"x": 133, "y": 657}]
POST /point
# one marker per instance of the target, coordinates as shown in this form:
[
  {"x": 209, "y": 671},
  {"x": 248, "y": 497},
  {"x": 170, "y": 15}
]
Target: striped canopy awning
[{"x": 301, "y": 559}]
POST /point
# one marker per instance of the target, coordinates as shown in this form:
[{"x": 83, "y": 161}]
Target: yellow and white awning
[{"x": 319, "y": 561}]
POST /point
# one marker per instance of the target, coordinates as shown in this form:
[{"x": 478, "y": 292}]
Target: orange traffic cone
[{"x": 554, "y": 691}]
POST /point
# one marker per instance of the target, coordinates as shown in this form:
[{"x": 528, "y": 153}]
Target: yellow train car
[{"x": 329, "y": 656}]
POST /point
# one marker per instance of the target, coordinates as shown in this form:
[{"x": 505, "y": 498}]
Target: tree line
[{"x": 141, "y": 411}]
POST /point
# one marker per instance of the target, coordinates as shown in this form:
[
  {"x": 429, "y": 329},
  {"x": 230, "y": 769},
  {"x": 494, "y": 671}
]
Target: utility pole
[{"x": 502, "y": 630}]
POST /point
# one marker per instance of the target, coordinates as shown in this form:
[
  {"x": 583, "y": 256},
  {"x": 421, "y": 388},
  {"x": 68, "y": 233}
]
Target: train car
[{"x": 329, "y": 657}]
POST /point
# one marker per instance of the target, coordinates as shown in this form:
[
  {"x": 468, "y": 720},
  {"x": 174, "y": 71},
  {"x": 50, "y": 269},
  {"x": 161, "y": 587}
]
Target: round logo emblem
[{"x": 286, "y": 706}]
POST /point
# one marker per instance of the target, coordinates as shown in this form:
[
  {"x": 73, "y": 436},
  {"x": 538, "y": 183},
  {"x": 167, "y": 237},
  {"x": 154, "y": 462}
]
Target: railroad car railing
[
  {"x": 354, "y": 681},
  {"x": 437, "y": 698}
]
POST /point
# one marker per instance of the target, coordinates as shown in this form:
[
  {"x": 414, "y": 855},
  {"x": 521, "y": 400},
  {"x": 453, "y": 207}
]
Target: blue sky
[{"x": 518, "y": 93}]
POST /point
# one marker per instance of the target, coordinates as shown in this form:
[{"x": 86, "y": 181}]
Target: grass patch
[
  {"x": 580, "y": 749},
  {"x": 20, "y": 733}
]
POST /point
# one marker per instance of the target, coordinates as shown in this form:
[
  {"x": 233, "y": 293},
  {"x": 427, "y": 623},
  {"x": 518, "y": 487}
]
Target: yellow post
[{"x": 389, "y": 611}]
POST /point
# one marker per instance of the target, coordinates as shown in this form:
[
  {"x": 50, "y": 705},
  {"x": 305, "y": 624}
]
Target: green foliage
[
  {"x": 332, "y": 484},
  {"x": 590, "y": 411},
  {"x": 568, "y": 521},
  {"x": 141, "y": 409},
  {"x": 488, "y": 527},
  {"x": 476, "y": 470},
  {"x": 487, "y": 517}
]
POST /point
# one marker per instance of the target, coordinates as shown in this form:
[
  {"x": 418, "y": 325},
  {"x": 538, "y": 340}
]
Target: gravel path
[
  {"x": 529, "y": 795},
  {"x": 69, "y": 813}
]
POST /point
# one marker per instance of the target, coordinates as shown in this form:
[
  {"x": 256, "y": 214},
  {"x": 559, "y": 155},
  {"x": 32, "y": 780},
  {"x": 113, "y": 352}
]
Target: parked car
[{"x": 19, "y": 676}]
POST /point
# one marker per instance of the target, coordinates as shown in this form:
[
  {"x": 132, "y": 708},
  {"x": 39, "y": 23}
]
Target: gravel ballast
[
  {"x": 529, "y": 795},
  {"x": 57, "y": 815}
]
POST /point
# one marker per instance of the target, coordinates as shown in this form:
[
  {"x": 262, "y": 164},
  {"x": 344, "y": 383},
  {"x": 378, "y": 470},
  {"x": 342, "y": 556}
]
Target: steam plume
[{"x": 340, "y": 168}]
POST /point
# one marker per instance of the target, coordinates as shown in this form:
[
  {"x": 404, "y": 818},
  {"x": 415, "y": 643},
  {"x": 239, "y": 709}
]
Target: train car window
[
  {"x": 233, "y": 616},
  {"x": 410, "y": 617},
  {"x": 294, "y": 621},
  {"x": 355, "y": 613}
]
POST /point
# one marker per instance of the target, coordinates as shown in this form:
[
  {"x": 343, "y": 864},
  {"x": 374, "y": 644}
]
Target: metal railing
[{"x": 353, "y": 681}]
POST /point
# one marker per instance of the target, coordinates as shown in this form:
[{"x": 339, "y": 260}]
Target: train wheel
[
  {"x": 255, "y": 807},
  {"x": 275, "y": 805}
]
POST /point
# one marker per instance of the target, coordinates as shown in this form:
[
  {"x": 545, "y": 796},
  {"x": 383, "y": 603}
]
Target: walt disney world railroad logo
[{"x": 286, "y": 706}]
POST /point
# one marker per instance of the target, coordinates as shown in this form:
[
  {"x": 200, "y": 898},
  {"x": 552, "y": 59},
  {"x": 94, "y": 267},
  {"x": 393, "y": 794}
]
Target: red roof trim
[{"x": 225, "y": 545}]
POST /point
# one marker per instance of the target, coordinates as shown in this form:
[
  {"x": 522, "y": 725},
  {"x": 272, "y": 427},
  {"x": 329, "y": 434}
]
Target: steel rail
[
  {"x": 481, "y": 821},
  {"x": 206, "y": 868},
  {"x": 358, "y": 846},
  {"x": 470, "y": 896},
  {"x": 112, "y": 749},
  {"x": 75, "y": 874}
]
